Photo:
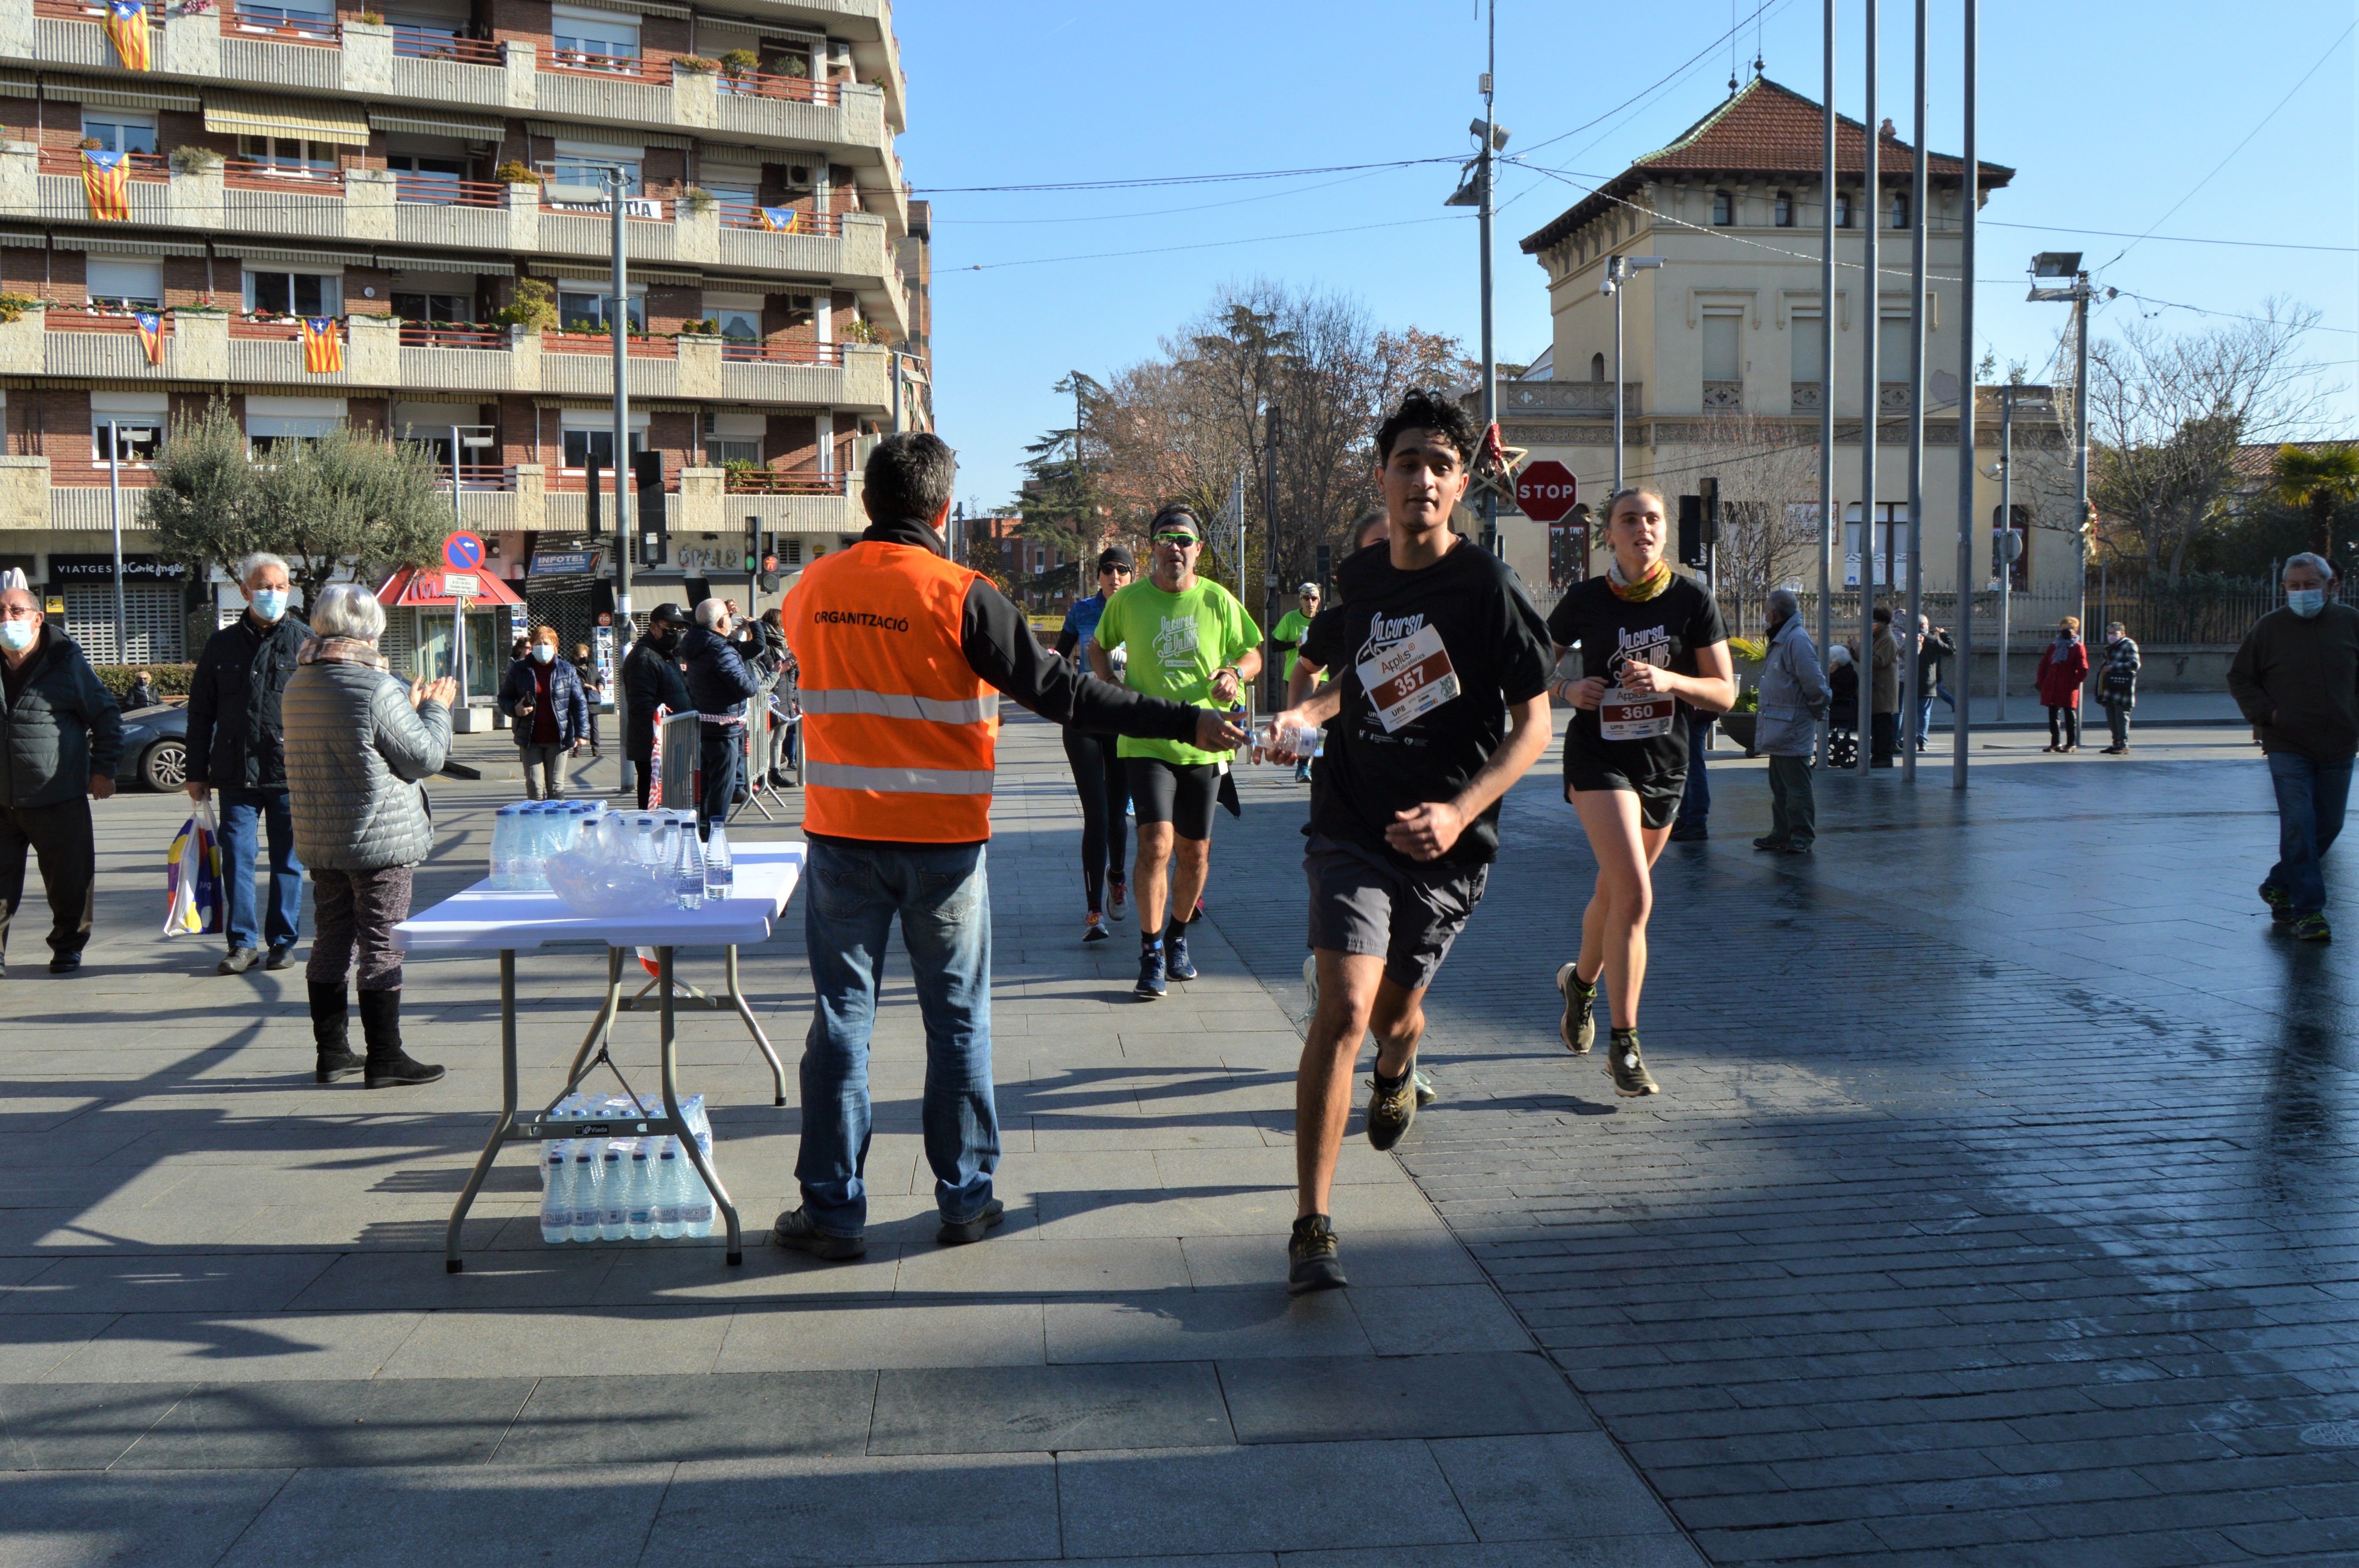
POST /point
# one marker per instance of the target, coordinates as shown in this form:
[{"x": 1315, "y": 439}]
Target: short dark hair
[
  {"x": 1882, "y": 616},
  {"x": 909, "y": 475},
  {"x": 1428, "y": 409}
]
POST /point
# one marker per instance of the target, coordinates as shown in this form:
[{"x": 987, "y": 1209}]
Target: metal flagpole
[
  {"x": 621, "y": 320},
  {"x": 1828, "y": 521},
  {"x": 1490, "y": 360},
  {"x": 1919, "y": 192},
  {"x": 1871, "y": 319},
  {"x": 115, "y": 499},
  {"x": 1963, "y": 677}
]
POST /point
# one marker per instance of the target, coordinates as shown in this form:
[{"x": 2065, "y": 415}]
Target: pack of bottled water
[
  {"x": 627, "y": 861},
  {"x": 526, "y": 834},
  {"x": 623, "y": 1189}
]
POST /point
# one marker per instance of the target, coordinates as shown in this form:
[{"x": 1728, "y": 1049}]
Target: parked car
[{"x": 155, "y": 749}]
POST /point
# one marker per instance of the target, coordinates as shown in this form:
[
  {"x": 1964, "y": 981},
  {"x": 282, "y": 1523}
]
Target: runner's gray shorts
[{"x": 1362, "y": 902}]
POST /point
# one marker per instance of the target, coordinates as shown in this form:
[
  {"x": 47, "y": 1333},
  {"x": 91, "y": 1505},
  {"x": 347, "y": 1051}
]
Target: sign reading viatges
[
  {"x": 564, "y": 563},
  {"x": 101, "y": 569}
]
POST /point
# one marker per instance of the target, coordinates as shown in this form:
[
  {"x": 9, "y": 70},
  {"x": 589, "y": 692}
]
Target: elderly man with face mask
[
  {"x": 237, "y": 745},
  {"x": 2297, "y": 678},
  {"x": 60, "y": 735}
]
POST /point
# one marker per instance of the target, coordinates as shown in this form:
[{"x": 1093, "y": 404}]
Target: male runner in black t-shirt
[{"x": 1441, "y": 668}]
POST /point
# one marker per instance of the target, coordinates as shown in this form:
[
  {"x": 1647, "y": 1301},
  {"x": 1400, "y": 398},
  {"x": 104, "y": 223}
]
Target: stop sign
[{"x": 1545, "y": 490}]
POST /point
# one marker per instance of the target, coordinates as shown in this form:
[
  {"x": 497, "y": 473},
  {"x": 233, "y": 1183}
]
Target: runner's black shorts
[
  {"x": 1363, "y": 902},
  {"x": 1180, "y": 793},
  {"x": 1658, "y": 793}
]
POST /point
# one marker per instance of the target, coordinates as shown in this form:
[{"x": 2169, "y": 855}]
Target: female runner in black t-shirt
[{"x": 1647, "y": 636}]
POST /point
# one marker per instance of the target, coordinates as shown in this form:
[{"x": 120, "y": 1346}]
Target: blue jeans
[
  {"x": 1695, "y": 801},
  {"x": 2310, "y": 798},
  {"x": 1925, "y": 713},
  {"x": 943, "y": 897},
  {"x": 243, "y": 814}
]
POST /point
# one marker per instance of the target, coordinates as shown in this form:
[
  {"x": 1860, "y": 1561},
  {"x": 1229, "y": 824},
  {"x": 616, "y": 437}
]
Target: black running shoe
[
  {"x": 797, "y": 1231},
  {"x": 1390, "y": 1111},
  {"x": 2275, "y": 897},
  {"x": 2312, "y": 928},
  {"x": 1151, "y": 986},
  {"x": 1579, "y": 1029},
  {"x": 1310, "y": 1260},
  {"x": 958, "y": 1233},
  {"x": 1631, "y": 1078},
  {"x": 1175, "y": 956}
]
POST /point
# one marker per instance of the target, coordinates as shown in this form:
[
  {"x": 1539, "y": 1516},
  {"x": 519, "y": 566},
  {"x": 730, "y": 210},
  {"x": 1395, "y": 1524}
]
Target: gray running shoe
[
  {"x": 1390, "y": 1111},
  {"x": 1631, "y": 1078},
  {"x": 1579, "y": 1029}
]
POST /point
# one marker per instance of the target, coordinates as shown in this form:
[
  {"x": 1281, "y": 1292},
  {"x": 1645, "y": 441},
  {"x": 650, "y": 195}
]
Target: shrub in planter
[
  {"x": 695, "y": 63},
  {"x": 194, "y": 161},
  {"x": 738, "y": 62},
  {"x": 515, "y": 173},
  {"x": 170, "y": 680}
]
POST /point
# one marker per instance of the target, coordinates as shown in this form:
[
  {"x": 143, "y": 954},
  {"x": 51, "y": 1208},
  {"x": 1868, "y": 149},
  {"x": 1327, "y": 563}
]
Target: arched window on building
[{"x": 1597, "y": 367}]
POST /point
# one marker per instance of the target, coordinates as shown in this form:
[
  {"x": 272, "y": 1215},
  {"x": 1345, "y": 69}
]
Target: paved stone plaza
[{"x": 1995, "y": 1210}]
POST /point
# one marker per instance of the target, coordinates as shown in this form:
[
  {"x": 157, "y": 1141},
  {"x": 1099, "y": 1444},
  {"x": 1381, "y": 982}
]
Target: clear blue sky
[{"x": 2110, "y": 114}]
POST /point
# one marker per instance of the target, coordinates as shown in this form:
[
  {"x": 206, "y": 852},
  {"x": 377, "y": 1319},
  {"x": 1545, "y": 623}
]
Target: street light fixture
[
  {"x": 1618, "y": 270},
  {"x": 2006, "y": 545},
  {"x": 2065, "y": 264}
]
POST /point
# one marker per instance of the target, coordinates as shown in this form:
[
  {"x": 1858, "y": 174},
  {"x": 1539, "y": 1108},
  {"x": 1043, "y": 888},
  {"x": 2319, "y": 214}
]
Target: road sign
[
  {"x": 461, "y": 585},
  {"x": 1545, "y": 490},
  {"x": 463, "y": 551}
]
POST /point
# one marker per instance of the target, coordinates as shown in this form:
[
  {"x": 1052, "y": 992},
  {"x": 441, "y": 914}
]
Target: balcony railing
[
  {"x": 67, "y": 319},
  {"x": 1723, "y": 397},
  {"x": 625, "y": 66},
  {"x": 434, "y": 43},
  {"x": 1892, "y": 397},
  {"x": 247, "y": 174},
  {"x": 738, "y": 215},
  {"x": 1808, "y": 398},
  {"x": 87, "y": 11},
  {"x": 760, "y": 84},
  {"x": 570, "y": 482},
  {"x": 269, "y": 326},
  {"x": 638, "y": 347},
  {"x": 453, "y": 334},
  {"x": 449, "y": 191},
  {"x": 770, "y": 481},
  {"x": 782, "y": 353},
  {"x": 68, "y": 161},
  {"x": 323, "y": 32}
]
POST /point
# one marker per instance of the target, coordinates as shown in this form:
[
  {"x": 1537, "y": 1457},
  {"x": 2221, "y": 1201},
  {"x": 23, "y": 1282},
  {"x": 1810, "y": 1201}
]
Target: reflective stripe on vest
[
  {"x": 896, "y": 780},
  {"x": 898, "y": 705}
]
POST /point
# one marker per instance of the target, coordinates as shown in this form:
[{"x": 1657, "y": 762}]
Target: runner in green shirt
[{"x": 1189, "y": 639}]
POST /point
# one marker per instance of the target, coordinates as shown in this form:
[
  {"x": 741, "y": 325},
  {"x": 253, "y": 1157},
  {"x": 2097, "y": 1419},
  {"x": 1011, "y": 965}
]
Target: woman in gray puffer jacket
[{"x": 358, "y": 741}]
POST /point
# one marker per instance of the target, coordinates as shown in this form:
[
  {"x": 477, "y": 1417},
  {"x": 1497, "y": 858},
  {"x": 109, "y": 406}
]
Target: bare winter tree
[
  {"x": 1768, "y": 474},
  {"x": 2167, "y": 413}
]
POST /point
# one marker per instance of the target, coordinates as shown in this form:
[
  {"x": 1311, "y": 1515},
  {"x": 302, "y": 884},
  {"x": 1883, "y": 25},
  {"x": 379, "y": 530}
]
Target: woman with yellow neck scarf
[{"x": 1649, "y": 639}]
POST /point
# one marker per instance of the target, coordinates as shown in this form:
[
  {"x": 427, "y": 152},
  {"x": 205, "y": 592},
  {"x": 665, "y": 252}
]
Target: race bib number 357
[{"x": 1412, "y": 677}]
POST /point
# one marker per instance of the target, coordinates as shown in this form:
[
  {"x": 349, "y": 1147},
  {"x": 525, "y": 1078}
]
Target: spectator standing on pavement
[
  {"x": 1843, "y": 679},
  {"x": 2297, "y": 678},
  {"x": 2117, "y": 685},
  {"x": 61, "y": 736},
  {"x": 1935, "y": 649},
  {"x": 593, "y": 691},
  {"x": 143, "y": 694},
  {"x": 542, "y": 694},
  {"x": 236, "y": 745},
  {"x": 650, "y": 680},
  {"x": 1884, "y": 692},
  {"x": 903, "y": 656},
  {"x": 1794, "y": 697},
  {"x": 2063, "y": 670},
  {"x": 360, "y": 741},
  {"x": 718, "y": 685},
  {"x": 1405, "y": 803}
]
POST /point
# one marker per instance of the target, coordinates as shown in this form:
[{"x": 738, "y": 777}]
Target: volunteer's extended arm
[{"x": 1000, "y": 647}]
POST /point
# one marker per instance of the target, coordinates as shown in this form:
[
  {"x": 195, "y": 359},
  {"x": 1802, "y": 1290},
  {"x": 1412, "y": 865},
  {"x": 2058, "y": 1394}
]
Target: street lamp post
[
  {"x": 1827, "y": 521},
  {"x": 1618, "y": 270},
  {"x": 1870, "y": 405},
  {"x": 2006, "y": 545},
  {"x": 1911, "y": 646},
  {"x": 1964, "y": 673},
  {"x": 2066, "y": 265},
  {"x": 617, "y": 185}
]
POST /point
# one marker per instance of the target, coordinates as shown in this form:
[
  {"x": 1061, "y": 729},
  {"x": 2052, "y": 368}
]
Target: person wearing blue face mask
[
  {"x": 2297, "y": 678},
  {"x": 237, "y": 744},
  {"x": 543, "y": 694}
]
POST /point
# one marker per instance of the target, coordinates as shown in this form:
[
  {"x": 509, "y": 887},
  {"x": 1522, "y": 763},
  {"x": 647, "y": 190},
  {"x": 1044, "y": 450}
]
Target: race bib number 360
[
  {"x": 1412, "y": 677},
  {"x": 1633, "y": 715}
]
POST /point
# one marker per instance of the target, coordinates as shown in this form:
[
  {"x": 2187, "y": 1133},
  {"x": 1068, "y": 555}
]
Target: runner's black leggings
[{"x": 1104, "y": 790}]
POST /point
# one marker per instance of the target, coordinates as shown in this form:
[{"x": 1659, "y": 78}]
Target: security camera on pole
[{"x": 1476, "y": 190}]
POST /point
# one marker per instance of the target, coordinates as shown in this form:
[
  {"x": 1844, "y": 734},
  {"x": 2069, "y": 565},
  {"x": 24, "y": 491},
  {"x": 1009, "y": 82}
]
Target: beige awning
[
  {"x": 249, "y": 115},
  {"x": 118, "y": 95},
  {"x": 239, "y": 250},
  {"x": 15, "y": 84},
  {"x": 108, "y": 246},
  {"x": 454, "y": 264},
  {"x": 425, "y": 124},
  {"x": 11, "y": 240}
]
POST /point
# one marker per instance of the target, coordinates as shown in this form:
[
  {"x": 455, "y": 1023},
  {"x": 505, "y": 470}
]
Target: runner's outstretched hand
[
  {"x": 1215, "y": 733},
  {"x": 1427, "y": 833}
]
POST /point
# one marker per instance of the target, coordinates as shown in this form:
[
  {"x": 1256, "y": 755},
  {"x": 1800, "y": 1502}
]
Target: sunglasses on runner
[{"x": 1179, "y": 537}]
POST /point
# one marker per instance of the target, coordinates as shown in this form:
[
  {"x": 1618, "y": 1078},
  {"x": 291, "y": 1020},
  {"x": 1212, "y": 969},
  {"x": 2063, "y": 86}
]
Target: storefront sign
[
  {"x": 565, "y": 563},
  {"x": 101, "y": 569}
]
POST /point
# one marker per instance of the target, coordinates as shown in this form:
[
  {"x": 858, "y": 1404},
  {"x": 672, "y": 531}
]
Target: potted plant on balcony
[
  {"x": 696, "y": 63},
  {"x": 533, "y": 307},
  {"x": 515, "y": 173},
  {"x": 188, "y": 159},
  {"x": 14, "y": 306},
  {"x": 698, "y": 199},
  {"x": 741, "y": 62}
]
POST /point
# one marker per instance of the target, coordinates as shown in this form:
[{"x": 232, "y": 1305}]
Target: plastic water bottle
[
  {"x": 639, "y": 1197},
  {"x": 687, "y": 870},
  {"x": 696, "y": 1202},
  {"x": 504, "y": 824},
  {"x": 720, "y": 863},
  {"x": 584, "y": 1192},
  {"x": 613, "y": 1210},
  {"x": 668, "y": 1190},
  {"x": 556, "y": 1195}
]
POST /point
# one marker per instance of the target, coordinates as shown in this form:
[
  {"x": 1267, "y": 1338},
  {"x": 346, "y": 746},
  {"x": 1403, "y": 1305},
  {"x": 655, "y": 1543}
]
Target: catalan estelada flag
[
  {"x": 780, "y": 220},
  {"x": 106, "y": 181},
  {"x": 323, "y": 346},
  {"x": 127, "y": 28},
  {"x": 151, "y": 335}
]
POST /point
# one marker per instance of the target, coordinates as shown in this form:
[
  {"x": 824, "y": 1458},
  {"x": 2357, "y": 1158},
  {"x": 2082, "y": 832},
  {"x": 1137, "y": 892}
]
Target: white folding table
[{"x": 481, "y": 920}]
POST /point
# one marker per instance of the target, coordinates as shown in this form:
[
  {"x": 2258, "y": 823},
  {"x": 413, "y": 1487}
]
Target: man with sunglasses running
[{"x": 1186, "y": 639}]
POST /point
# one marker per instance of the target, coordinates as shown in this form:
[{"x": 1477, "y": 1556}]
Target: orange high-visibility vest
[{"x": 899, "y": 734}]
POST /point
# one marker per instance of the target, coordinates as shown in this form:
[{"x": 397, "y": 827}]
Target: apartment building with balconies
[
  {"x": 1721, "y": 343},
  {"x": 405, "y": 173}
]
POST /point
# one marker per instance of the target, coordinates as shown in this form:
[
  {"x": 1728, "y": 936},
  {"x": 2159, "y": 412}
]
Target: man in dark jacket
[
  {"x": 236, "y": 745},
  {"x": 61, "y": 736},
  {"x": 720, "y": 684},
  {"x": 2297, "y": 678},
  {"x": 651, "y": 679}
]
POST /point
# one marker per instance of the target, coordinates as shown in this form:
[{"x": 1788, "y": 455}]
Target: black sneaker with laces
[
  {"x": 1151, "y": 986},
  {"x": 958, "y": 1233},
  {"x": 1176, "y": 961},
  {"x": 1392, "y": 1107},
  {"x": 1310, "y": 1260},
  {"x": 1631, "y": 1078},
  {"x": 2312, "y": 928},
  {"x": 1579, "y": 1029}
]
